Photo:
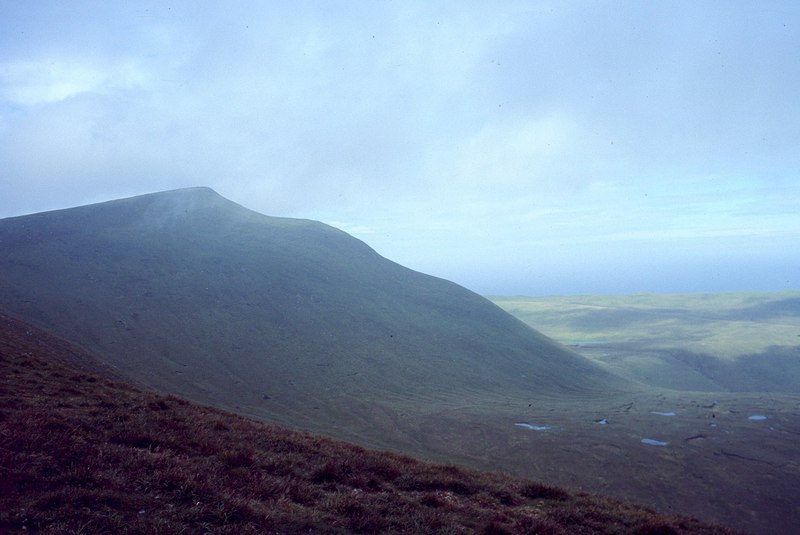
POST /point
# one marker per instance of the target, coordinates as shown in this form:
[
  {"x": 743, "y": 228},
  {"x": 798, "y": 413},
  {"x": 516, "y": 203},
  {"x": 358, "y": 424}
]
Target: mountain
[
  {"x": 293, "y": 322},
  {"x": 287, "y": 320},
  {"x": 80, "y": 453}
]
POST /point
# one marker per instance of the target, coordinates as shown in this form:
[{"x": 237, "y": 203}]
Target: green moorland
[
  {"x": 81, "y": 453},
  {"x": 706, "y": 342}
]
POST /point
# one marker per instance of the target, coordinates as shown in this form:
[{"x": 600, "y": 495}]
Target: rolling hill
[
  {"x": 289, "y": 320},
  {"x": 737, "y": 342}
]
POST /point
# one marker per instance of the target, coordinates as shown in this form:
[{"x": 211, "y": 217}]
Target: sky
[{"x": 516, "y": 148}]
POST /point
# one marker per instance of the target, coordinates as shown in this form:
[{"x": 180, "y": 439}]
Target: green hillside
[{"x": 284, "y": 319}]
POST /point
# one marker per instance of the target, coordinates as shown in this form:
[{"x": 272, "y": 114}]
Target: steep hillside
[
  {"x": 290, "y": 320},
  {"x": 80, "y": 453}
]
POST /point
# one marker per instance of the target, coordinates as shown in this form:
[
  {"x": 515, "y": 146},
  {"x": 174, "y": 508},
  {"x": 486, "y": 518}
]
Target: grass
[
  {"x": 81, "y": 453},
  {"x": 712, "y": 342}
]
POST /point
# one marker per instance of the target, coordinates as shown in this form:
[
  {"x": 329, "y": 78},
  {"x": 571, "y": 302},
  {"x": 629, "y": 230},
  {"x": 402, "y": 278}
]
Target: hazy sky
[{"x": 513, "y": 147}]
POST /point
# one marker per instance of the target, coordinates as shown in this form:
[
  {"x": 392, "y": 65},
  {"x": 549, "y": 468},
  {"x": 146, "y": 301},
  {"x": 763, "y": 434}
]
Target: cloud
[
  {"x": 350, "y": 228},
  {"x": 446, "y": 134},
  {"x": 513, "y": 154},
  {"x": 47, "y": 81}
]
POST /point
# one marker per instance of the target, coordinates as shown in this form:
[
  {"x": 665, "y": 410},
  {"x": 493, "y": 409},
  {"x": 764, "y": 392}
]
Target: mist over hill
[{"x": 290, "y": 320}]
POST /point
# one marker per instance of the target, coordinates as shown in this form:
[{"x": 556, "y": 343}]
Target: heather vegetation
[{"x": 82, "y": 453}]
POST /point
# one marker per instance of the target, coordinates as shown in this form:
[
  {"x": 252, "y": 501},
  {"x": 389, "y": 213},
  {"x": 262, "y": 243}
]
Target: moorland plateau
[
  {"x": 295, "y": 323},
  {"x": 737, "y": 342}
]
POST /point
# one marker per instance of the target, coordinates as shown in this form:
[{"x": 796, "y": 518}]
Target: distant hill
[
  {"x": 738, "y": 342},
  {"x": 289, "y": 320},
  {"x": 80, "y": 453}
]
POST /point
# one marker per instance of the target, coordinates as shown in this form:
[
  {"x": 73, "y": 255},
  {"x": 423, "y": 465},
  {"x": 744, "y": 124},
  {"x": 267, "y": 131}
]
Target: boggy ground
[
  {"x": 81, "y": 453},
  {"x": 717, "y": 465}
]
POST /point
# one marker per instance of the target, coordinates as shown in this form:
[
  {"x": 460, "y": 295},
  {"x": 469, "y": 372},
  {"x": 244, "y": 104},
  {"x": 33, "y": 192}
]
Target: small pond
[{"x": 533, "y": 427}]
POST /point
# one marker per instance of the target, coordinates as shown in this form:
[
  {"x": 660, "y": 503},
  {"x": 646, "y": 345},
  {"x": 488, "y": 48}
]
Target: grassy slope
[
  {"x": 731, "y": 341},
  {"x": 80, "y": 453},
  {"x": 277, "y": 318}
]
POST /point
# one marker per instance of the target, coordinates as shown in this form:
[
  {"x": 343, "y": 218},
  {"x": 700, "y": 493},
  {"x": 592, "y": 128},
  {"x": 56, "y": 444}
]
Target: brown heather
[{"x": 80, "y": 453}]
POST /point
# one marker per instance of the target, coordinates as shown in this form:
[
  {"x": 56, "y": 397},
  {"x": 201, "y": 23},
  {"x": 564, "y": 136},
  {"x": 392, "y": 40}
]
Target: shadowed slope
[
  {"x": 288, "y": 319},
  {"x": 82, "y": 454}
]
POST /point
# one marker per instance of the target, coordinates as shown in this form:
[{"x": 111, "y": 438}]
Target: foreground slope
[
  {"x": 285, "y": 319},
  {"x": 80, "y": 453}
]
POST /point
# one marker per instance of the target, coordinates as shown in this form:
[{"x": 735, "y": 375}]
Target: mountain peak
[{"x": 183, "y": 199}]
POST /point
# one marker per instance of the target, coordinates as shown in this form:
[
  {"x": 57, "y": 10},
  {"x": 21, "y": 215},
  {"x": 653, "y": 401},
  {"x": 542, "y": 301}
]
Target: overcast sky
[{"x": 513, "y": 147}]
